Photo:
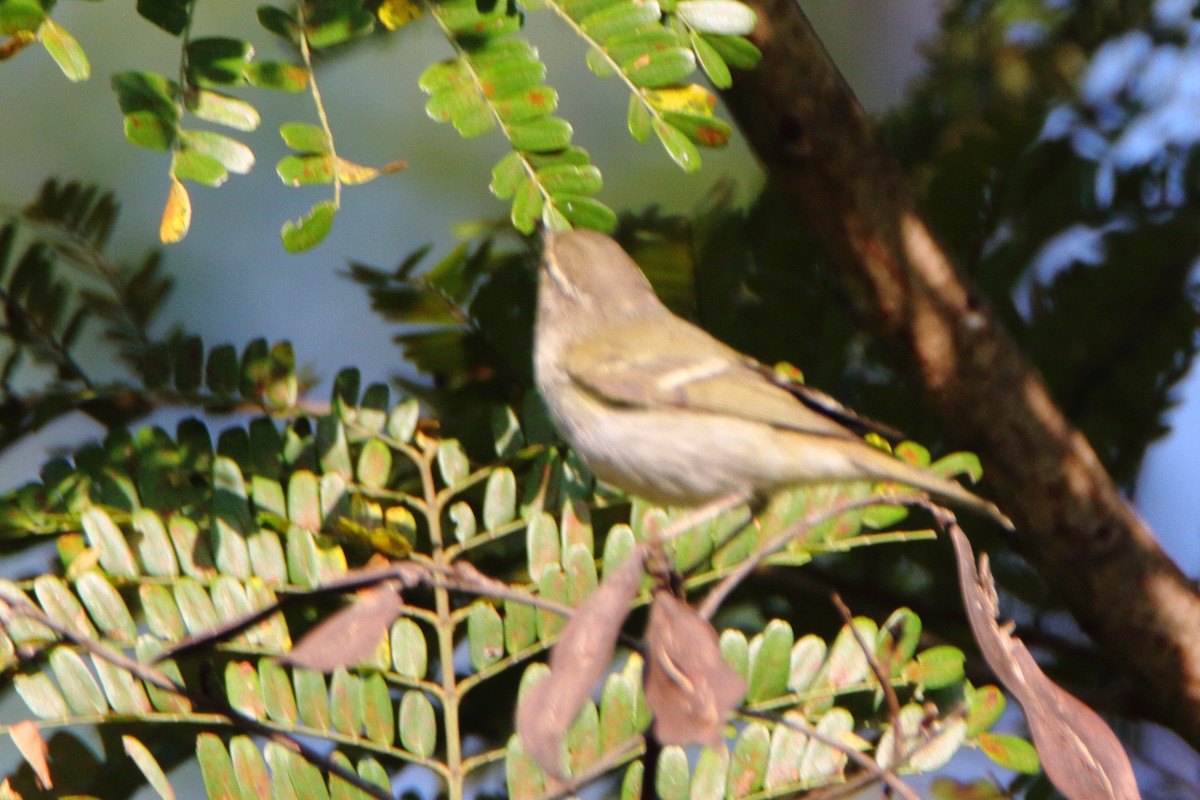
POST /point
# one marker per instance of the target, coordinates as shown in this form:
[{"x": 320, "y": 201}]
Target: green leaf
[
  {"x": 106, "y": 537},
  {"x": 279, "y": 22},
  {"x": 79, "y": 687},
  {"x": 770, "y": 656},
  {"x": 736, "y": 51},
  {"x": 333, "y": 24},
  {"x": 224, "y": 110},
  {"x": 540, "y": 135},
  {"x": 310, "y": 230},
  {"x": 674, "y": 779},
  {"x": 250, "y": 768},
  {"x": 146, "y": 91},
  {"x": 41, "y": 696},
  {"x": 216, "y": 767},
  {"x": 218, "y": 60},
  {"x": 499, "y": 498},
  {"x": 409, "y": 651},
  {"x": 553, "y": 219},
  {"x": 1010, "y": 752},
  {"x": 418, "y": 725},
  {"x": 527, "y": 206},
  {"x": 678, "y": 146},
  {"x": 170, "y": 15},
  {"x": 724, "y": 17},
  {"x": 192, "y": 165},
  {"x": 452, "y": 462},
  {"x": 236, "y": 156},
  {"x": 710, "y": 60},
  {"x": 748, "y": 764},
  {"x": 150, "y": 129},
  {"x": 17, "y": 16},
  {"x": 65, "y": 51},
  {"x": 507, "y": 175},
  {"x": 106, "y": 607},
  {"x": 985, "y": 705},
  {"x": 938, "y": 667},
  {"x": 146, "y": 763},
  {"x": 660, "y": 68},
  {"x": 808, "y": 655},
  {"x": 278, "y": 75},
  {"x": 624, "y": 17},
  {"x": 485, "y": 635},
  {"x": 638, "y": 119},
  {"x": 704, "y": 130},
  {"x": 570, "y": 179},
  {"x": 379, "y": 722},
  {"x": 304, "y": 138},
  {"x": 526, "y": 104},
  {"x": 584, "y": 212},
  {"x": 444, "y": 75}
]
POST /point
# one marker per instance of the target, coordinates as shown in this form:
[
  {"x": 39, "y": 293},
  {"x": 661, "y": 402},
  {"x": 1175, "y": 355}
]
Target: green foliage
[{"x": 163, "y": 535}]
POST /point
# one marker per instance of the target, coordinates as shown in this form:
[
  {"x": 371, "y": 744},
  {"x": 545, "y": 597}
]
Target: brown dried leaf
[
  {"x": 1081, "y": 755},
  {"x": 582, "y": 653},
  {"x": 689, "y": 687},
  {"x": 29, "y": 742},
  {"x": 352, "y": 634}
]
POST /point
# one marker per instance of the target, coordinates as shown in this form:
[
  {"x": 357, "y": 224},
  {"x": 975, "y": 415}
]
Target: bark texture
[{"x": 1074, "y": 526}]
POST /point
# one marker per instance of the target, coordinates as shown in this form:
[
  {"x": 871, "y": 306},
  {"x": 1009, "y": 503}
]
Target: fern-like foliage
[{"x": 163, "y": 536}]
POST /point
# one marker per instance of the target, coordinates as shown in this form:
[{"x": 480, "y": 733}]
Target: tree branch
[{"x": 1074, "y": 526}]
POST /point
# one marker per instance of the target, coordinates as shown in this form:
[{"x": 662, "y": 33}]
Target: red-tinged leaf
[
  {"x": 216, "y": 767},
  {"x": 150, "y": 129},
  {"x": 541, "y": 135},
  {"x": 579, "y": 659},
  {"x": 278, "y": 75},
  {"x": 1011, "y": 752},
  {"x": 177, "y": 215},
  {"x": 638, "y": 118},
  {"x": 723, "y": 17},
  {"x": 236, "y": 156},
  {"x": 191, "y": 165},
  {"x": 704, "y": 131},
  {"x": 28, "y": 739},
  {"x": 507, "y": 175},
  {"x": 305, "y": 170},
  {"x": 304, "y": 138},
  {"x": 65, "y": 51},
  {"x": 526, "y": 105},
  {"x": 585, "y": 212},
  {"x": 711, "y": 62},
  {"x": 349, "y": 636},
  {"x": 224, "y": 110},
  {"x": 678, "y": 146},
  {"x": 689, "y": 686},
  {"x": 509, "y": 77},
  {"x": 660, "y": 68},
  {"x": 310, "y": 230},
  {"x": 527, "y": 206},
  {"x": 353, "y": 174}
]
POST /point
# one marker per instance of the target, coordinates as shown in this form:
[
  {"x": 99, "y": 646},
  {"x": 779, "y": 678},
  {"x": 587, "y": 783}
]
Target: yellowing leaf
[
  {"x": 692, "y": 99},
  {"x": 65, "y": 51},
  {"x": 351, "y": 173},
  {"x": 177, "y": 216},
  {"x": 395, "y": 14}
]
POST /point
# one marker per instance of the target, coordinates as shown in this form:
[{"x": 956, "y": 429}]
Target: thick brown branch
[{"x": 819, "y": 147}]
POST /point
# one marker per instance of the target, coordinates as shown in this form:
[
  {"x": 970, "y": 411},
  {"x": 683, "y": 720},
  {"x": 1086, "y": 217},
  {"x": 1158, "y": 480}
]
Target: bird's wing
[
  {"x": 828, "y": 405},
  {"x": 686, "y": 368}
]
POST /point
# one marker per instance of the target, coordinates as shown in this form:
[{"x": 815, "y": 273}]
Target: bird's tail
[{"x": 885, "y": 467}]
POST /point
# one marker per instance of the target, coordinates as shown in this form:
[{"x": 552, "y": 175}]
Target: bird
[{"x": 662, "y": 410}]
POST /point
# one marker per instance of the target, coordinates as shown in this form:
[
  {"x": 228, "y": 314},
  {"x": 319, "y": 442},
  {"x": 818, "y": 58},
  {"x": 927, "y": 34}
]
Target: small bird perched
[{"x": 662, "y": 410}]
